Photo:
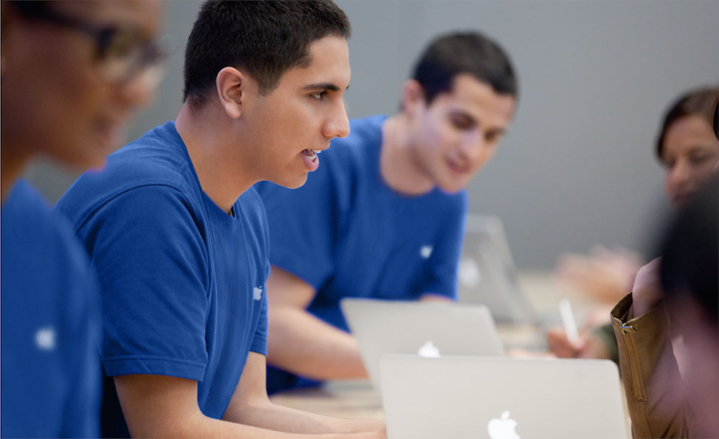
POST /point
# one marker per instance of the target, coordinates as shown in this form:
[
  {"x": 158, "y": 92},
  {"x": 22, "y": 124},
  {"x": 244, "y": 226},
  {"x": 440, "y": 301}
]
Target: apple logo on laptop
[
  {"x": 428, "y": 350},
  {"x": 469, "y": 274},
  {"x": 502, "y": 428}
]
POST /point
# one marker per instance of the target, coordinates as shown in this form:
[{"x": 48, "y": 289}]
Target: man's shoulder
[
  {"x": 155, "y": 161},
  {"x": 158, "y": 157}
]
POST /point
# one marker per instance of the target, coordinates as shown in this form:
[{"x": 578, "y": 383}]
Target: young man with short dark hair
[
  {"x": 383, "y": 218},
  {"x": 179, "y": 236}
]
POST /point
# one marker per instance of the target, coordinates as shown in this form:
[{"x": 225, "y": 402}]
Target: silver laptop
[
  {"x": 429, "y": 329},
  {"x": 501, "y": 398},
  {"x": 487, "y": 274}
]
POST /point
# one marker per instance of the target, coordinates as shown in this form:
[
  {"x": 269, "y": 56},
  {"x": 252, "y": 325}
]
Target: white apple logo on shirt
[
  {"x": 426, "y": 251},
  {"x": 257, "y": 293},
  {"x": 45, "y": 338},
  {"x": 502, "y": 428},
  {"x": 428, "y": 350}
]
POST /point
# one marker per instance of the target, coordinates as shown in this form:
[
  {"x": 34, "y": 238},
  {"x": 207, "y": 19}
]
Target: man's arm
[
  {"x": 251, "y": 406},
  {"x": 301, "y": 343},
  {"x": 162, "y": 406}
]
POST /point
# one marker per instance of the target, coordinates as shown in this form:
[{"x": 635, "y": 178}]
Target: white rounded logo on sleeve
[{"x": 257, "y": 293}]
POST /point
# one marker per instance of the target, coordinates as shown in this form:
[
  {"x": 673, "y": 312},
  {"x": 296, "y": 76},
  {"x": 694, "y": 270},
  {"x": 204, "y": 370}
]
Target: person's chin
[
  {"x": 98, "y": 165},
  {"x": 453, "y": 185},
  {"x": 293, "y": 182},
  {"x": 95, "y": 155},
  {"x": 83, "y": 158},
  {"x": 110, "y": 136},
  {"x": 681, "y": 200}
]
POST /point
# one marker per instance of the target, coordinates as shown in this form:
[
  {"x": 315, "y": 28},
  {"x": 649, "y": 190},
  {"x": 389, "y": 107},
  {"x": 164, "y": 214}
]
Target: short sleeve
[
  {"x": 303, "y": 224},
  {"x": 259, "y": 343},
  {"x": 148, "y": 248},
  {"x": 441, "y": 279}
]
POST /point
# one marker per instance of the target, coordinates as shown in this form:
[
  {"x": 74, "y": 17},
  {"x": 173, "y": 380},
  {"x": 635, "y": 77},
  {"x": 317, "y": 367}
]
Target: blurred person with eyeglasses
[{"x": 73, "y": 72}]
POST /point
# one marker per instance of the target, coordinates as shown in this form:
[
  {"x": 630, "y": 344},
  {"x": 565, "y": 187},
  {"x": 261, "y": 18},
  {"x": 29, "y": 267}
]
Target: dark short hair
[
  {"x": 690, "y": 252},
  {"x": 697, "y": 102},
  {"x": 22, "y": 8},
  {"x": 265, "y": 38},
  {"x": 29, "y": 9},
  {"x": 464, "y": 52}
]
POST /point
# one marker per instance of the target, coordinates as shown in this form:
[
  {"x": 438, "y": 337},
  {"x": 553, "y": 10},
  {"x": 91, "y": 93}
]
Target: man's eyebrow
[{"x": 323, "y": 86}]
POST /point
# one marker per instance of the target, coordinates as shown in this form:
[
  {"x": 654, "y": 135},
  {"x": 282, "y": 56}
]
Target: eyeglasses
[{"x": 123, "y": 54}]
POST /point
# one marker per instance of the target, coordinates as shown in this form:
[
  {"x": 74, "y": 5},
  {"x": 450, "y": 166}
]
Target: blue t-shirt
[
  {"x": 183, "y": 282},
  {"x": 348, "y": 234},
  {"x": 50, "y": 324}
]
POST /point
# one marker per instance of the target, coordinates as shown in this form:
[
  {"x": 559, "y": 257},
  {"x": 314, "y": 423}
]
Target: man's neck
[
  {"x": 214, "y": 149},
  {"x": 11, "y": 168},
  {"x": 398, "y": 165}
]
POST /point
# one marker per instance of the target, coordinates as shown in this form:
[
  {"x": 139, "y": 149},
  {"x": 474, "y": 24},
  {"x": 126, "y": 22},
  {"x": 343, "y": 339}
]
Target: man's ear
[
  {"x": 232, "y": 90},
  {"x": 413, "y": 99}
]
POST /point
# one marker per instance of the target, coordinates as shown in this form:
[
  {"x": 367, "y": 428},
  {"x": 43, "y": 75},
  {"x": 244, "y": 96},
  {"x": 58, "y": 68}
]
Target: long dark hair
[{"x": 690, "y": 251}]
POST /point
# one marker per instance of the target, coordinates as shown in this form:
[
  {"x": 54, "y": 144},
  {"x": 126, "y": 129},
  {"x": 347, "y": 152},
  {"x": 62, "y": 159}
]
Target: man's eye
[
  {"x": 460, "y": 122},
  {"x": 319, "y": 95},
  {"x": 122, "y": 42},
  {"x": 492, "y": 136},
  {"x": 698, "y": 159}
]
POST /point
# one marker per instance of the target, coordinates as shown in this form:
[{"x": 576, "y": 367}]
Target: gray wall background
[{"x": 578, "y": 166}]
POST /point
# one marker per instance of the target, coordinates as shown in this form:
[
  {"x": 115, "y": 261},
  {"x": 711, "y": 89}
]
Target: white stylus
[{"x": 570, "y": 326}]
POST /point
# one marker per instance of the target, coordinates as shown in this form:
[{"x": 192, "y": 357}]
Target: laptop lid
[
  {"x": 501, "y": 398},
  {"x": 487, "y": 273},
  {"x": 419, "y": 328}
]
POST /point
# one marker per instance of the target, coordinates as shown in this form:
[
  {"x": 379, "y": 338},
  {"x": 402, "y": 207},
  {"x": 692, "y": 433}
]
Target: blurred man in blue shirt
[{"x": 384, "y": 216}]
